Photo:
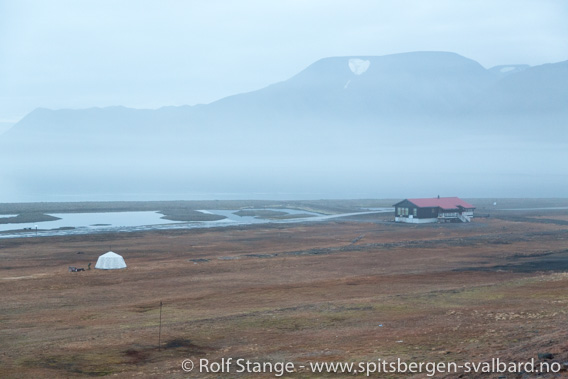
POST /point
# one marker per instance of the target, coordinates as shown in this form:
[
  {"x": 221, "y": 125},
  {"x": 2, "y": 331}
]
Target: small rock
[{"x": 545, "y": 356}]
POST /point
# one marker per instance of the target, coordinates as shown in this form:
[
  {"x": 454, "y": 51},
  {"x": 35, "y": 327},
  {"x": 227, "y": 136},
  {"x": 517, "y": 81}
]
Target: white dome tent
[{"x": 110, "y": 261}]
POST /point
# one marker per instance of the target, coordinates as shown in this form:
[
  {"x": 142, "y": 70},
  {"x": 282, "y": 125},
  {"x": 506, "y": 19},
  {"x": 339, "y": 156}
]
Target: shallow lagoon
[
  {"x": 93, "y": 221},
  {"x": 87, "y": 223}
]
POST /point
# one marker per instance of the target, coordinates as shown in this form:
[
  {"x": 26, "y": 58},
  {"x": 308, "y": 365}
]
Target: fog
[
  {"x": 357, "y": 100},
  {"x": 307, "y": 161}
]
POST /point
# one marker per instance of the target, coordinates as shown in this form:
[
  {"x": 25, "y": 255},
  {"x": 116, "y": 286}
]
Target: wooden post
[{"x": 160, "y": 329}]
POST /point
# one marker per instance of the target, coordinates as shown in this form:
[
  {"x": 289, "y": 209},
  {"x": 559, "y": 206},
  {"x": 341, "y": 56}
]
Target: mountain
[
  {"x": 421, "y": 83},
  {"x": 335, "y": 127},
  {"x": 541, "y": 89}
]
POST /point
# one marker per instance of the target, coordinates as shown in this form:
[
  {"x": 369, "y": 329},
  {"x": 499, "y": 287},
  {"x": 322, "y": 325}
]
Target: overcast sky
[{"x": 148, "y": 54}]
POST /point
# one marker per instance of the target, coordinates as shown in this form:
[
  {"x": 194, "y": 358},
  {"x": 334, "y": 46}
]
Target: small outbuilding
[
  {"x": 440, "y": 209},
  {"x": 110, "y": 261}
]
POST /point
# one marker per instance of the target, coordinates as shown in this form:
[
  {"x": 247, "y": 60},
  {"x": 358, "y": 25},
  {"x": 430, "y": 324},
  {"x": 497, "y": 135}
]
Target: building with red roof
[{"x": 437, "y": 209}]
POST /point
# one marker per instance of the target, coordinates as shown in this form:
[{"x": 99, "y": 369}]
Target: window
[{"x": 415, "y": 212}]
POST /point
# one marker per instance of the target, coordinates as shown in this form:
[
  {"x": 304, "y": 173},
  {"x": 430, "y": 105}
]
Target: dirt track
[{"x": 294, "y": 292}]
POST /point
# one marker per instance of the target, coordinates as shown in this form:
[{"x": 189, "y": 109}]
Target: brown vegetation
[{"x": 286, "y": 292}]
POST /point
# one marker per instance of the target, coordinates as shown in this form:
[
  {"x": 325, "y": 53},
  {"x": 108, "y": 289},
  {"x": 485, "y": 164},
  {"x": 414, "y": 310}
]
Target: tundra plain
[{"x": 353, "y": 289}]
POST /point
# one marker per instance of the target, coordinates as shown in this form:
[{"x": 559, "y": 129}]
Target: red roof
[{"x": 442, "y": 202}]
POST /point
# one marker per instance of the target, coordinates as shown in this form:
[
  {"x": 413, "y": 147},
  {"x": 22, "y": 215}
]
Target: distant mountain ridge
[
  {"x": 421, "y": 83},
  {"x": 408, "y": 84},
  {"x": 344, "y": 109}
]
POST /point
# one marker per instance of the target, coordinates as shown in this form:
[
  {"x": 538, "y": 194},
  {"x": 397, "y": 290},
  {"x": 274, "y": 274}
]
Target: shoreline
[{"x": 225, "y": 223}]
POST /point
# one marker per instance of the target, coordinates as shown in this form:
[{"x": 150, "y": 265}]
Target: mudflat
[{"x": 356, "y": 289}]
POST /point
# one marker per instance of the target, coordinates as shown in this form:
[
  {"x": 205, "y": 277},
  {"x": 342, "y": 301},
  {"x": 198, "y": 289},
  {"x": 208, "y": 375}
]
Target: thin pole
[{"x": 160, "y": 329}]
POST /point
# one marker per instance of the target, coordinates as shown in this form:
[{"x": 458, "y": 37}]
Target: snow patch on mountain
[
  {"x": 505, "y": 70},
  {"x": 358, "y": 66}
]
